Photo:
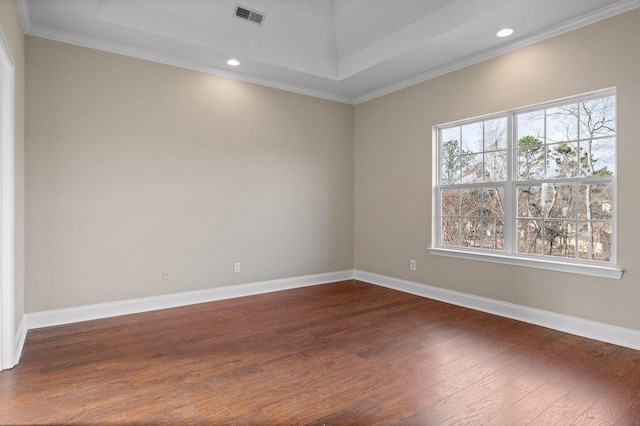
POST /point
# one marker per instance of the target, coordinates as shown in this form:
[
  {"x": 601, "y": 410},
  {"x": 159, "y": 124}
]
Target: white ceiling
[{"x": 345, "y": 50}]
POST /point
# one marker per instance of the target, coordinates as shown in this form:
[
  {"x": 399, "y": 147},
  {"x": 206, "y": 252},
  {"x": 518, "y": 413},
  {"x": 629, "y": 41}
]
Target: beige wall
[
  {"x": 393, "y": 169},
  {"x": 133, "y": 167},
  {"x": 12, "y": 28}
]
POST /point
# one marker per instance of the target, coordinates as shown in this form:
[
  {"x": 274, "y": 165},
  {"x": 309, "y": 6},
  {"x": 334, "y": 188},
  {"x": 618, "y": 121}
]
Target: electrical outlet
[
  {"x": 167, "y": 274},
  {"x": 236, "y": 267},
  {"x": 412, "y": 265}
]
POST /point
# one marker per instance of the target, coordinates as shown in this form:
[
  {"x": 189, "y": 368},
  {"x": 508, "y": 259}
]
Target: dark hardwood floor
[{"x": 337, "y": 354}]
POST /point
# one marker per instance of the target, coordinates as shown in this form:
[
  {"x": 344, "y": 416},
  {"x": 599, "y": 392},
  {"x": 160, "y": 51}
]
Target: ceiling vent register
[{"x": 249, "y": 15}]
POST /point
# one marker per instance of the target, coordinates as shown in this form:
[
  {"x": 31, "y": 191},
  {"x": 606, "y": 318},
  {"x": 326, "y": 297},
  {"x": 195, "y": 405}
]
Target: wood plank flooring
[{"x": 338, "y": 354}]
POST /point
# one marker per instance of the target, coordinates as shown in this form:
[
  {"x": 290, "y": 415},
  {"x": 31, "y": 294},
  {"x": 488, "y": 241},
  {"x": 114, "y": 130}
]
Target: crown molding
[
  {"x": 23, "y": 8},
  {"x": 148, "y": 55},
  {"x": 116, "y": 48},
  {"x": 599, "y": 15}
]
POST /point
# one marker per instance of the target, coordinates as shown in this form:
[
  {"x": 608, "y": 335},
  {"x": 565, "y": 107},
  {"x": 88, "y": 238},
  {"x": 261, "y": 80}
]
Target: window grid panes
[{"x": 532, "y": 182}]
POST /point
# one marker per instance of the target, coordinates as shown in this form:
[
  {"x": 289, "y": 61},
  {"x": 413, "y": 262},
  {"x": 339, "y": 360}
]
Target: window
[{"x": 533, "y": 186}]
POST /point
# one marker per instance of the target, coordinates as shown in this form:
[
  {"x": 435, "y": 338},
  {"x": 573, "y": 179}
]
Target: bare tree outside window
[
  {"x": 572, "y": 144},
  {"x": 552, "y": 166},
  {"x": 473, "y": 213}
]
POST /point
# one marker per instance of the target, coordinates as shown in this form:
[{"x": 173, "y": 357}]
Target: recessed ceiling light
[
  {"x": 506, "y": 32},
  {"x": 233, "y": 62}
]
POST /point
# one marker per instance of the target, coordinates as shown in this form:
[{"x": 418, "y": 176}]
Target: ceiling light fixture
[
  {"x": 233, "y": 62},
  {"x": 506, "y": 32}
]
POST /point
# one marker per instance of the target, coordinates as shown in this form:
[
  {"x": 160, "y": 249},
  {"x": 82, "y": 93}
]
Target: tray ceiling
[{"x": 345, "y": 50}]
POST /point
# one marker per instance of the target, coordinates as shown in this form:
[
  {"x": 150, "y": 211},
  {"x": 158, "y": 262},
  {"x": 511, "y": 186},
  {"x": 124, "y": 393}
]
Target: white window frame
[{"x": 510, "y": 255}]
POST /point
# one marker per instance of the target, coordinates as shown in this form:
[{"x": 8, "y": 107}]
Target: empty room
[{"x": 328, "y": 212}]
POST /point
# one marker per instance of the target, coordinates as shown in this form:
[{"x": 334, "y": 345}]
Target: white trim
[
  {"x": 590, "y": 329},
  {"x": 21, "y": 337},
  {"x": 23, "y": 9},
  {"x": 548, "y": 264},
  {"x": 510, "y": 255},
  {"x": 581, "y": 327},
  {"x": 133, "y": 306},
  {"x": 7, "y": 205},
  {"x": 598, "y": 15},
  {"x": 151, "y": 56}
]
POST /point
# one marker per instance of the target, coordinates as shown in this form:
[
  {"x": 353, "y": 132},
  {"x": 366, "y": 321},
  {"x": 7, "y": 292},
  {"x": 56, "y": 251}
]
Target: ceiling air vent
[{"x": 249, "y": 15}]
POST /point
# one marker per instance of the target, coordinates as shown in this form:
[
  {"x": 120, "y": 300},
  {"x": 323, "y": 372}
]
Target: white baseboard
[
  {"x": 21, "y": 336},
  {"x": 590, "y": 329},
  {"x": 133, "y": 306}
]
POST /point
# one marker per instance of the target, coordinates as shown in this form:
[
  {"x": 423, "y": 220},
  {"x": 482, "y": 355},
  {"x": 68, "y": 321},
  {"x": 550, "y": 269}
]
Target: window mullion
[{"x": 509, "y": 190}]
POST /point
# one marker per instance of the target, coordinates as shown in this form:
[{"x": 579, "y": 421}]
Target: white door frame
[{"x": 7, "y": 206}]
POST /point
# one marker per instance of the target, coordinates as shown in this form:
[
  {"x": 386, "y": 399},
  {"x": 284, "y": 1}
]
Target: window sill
[{"x": 552, "y": 265}]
